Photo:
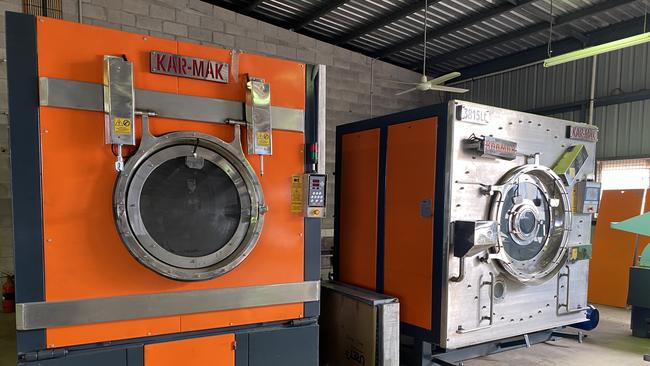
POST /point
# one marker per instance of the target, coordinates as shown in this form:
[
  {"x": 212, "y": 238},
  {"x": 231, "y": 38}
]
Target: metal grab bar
[
  {"x": 491, "y": 283},
  {"x": 482, "y": 283},
  {"x": 568, "y": 292}
]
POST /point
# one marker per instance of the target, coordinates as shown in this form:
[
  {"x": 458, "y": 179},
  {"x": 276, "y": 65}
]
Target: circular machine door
[
  {"x": 533, "y": 213},
  {"x": 189, "y": 206}
]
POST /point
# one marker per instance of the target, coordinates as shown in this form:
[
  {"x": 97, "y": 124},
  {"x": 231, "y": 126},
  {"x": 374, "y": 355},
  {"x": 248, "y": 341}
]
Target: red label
[
  {"x": 191, "y": 67},
  {"x": 582, "y": 133}
]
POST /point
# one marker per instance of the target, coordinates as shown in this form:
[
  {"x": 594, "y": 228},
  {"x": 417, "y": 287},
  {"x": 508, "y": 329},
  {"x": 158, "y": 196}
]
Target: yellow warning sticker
[
  {"x": 122, "y": 126},
  {"x": 296, "y": 193},
  {"x": 264, "y": 139}
]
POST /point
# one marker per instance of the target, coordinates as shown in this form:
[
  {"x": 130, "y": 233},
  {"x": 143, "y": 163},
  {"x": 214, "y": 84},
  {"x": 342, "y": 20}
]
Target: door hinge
[{"x": 47, "y": 354}]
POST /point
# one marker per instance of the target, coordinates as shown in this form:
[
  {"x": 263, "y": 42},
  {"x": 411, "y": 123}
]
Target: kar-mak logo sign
[{"x": 189, "y": 67}]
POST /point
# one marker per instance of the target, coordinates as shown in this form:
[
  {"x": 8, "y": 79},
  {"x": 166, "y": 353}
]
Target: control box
[
  {"x": 587, "y": 197},
  {"x": 314, "y": 188}
]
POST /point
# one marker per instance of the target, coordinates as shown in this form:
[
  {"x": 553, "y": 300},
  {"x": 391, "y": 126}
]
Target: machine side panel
[
  {"x": 358, "y": 174},
  {"x": 291, "y": 347},
  {"x": 409, "y": 218},
  {"x": 25, "y": 168},
  {"x": 613, "y": 250},
  {"x": 215, "y": 350}
]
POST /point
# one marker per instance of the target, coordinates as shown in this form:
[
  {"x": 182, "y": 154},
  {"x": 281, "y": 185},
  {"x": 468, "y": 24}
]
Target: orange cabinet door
[
  {"x": 216, "y": 350},
  {"x": 613, "y": 250},
  {"x": 408, "y": 238}
]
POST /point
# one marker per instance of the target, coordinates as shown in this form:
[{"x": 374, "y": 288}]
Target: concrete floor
[
  {"x": 7, "y": 339},
  {"x": 610, "y": 344}
]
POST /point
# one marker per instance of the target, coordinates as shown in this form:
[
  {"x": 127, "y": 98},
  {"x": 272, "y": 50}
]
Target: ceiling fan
[{"x": 437, "y": 83}]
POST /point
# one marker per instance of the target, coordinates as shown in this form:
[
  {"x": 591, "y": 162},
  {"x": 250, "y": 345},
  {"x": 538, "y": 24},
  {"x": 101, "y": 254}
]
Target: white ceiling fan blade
[
  {"x": 444, "y": 78},
  {"x": 448, "y": 89},
  {"x": 397, "y": 82},
  {"x": 406, "y": 91}
]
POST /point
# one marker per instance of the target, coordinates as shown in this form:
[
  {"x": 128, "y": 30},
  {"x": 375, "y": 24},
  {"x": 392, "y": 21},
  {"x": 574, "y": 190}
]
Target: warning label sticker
[
  {"x": 296, "y": 193},
  {"x": 264, "y": 139},
  {"x": 122, "y": 126}
]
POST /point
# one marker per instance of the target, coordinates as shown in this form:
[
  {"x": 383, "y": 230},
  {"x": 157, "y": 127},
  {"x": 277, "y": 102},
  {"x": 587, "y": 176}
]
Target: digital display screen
[{"x": 592, "y": 194}]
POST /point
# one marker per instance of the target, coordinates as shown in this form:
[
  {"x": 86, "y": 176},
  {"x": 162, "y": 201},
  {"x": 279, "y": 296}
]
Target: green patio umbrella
[{"x": 639, "y": 225}]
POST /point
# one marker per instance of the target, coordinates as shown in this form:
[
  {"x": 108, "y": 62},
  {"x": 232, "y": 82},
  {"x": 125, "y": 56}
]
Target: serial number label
[
  {"x": 189, "y": 67},
  {"x": 472, "y": 114}
]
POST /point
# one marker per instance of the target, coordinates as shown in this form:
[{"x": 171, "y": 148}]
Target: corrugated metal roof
[{"x": 456, "y": 24}]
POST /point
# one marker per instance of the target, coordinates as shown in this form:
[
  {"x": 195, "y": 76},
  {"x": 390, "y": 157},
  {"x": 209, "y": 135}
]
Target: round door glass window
[
  {"x": 190, "y": 211},
  {"x": 189, "y": 208},
  {"x": 533, "y": 213}
]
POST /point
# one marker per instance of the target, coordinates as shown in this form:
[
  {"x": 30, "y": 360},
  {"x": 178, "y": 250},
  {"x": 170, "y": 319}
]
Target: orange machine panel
[
  {"x": 208, "y": 351},
  {"x": 83, "y": 253},
  {"x": 359, "y": 177},
  {"x": 411, "y": 148},
  {"x": 613, "y": 250},
  {"x": 56, "y": 38}
]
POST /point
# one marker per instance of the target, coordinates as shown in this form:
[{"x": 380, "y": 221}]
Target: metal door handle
[{"x": 482, "y": 283}]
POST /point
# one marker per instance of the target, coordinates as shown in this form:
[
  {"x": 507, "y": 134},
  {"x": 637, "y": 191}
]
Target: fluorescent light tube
[{"x": 597, "y": 50}]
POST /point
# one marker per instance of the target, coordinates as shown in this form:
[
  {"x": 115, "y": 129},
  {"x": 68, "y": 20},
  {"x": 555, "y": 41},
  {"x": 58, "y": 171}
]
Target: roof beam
[
  {"x": 322, "y": 10},
  {"x": 382, "y": 21},
  {"x": 535, "y": 55},
  {"x": 251, "y": 6},
  {"x": 464, "y": 23},
  {"x": 558, "y": 22}
]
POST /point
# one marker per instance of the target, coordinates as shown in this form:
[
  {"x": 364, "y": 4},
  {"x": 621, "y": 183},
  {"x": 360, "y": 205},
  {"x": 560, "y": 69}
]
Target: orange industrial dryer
[{"x": 148, "y": 229}]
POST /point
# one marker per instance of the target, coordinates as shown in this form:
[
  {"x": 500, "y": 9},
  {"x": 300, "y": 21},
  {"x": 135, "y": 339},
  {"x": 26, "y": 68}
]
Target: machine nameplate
[
  {"x": 189, "y": 67},
  {"x": 582, "y": 133},
  {"x": 499, "y": 148},
  {"x": 472, "y": 114}
]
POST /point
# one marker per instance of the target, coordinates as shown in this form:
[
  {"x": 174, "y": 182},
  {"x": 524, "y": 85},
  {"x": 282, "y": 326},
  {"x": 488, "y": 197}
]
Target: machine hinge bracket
[
  {"x": 303, "y": 321},
  {"x": 48, "y": 354}
]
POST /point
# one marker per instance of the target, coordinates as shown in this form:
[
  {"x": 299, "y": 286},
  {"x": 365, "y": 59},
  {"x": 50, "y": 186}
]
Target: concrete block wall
[
  {"x": 349, "y": 74},
  {"x": 6, "y": 237}
]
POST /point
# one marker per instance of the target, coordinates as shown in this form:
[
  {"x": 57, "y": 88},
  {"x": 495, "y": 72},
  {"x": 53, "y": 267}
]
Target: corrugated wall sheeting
[{"x": 624, "y": 128}]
